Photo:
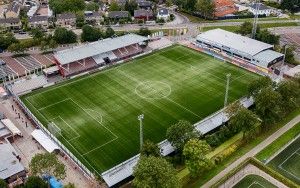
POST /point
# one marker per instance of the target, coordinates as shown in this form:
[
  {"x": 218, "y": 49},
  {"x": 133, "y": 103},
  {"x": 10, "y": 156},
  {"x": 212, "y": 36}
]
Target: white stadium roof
[
  {"x": 91, "y": 49},
  {"x": 125, "y": 169},
  {"x": 44, "y": 140},
  {"x": 11, "y": 126},
  {"x": 234, "y": 41}
]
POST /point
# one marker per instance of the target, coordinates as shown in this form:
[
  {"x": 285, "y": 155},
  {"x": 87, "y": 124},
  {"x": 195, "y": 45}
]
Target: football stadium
[{"x": 93, "y": 113}]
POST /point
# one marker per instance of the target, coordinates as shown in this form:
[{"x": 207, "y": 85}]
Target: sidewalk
[{"x": 254, "y": 151}]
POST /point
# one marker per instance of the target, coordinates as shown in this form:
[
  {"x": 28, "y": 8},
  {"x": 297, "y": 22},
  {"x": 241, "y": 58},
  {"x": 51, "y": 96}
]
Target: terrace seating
[
  {"x": 26, "y": 63},
  {"x": 14, "y": 65},
  {"x": 43, "y": 59},
  {"x": 127, "y": 51},
  {"x": 33, "y": 60},
  {"x": 78, "y": 67}
]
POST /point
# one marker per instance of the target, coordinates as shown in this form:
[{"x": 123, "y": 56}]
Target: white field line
[
  {"x": 183, "y": 107},
  {"x": 282, "y": 168},
  {"x": 136, "y": 80},
  {"x": 37, "y": 110},
  {"x": 65, "y": 139},
  {"x": 78, "y": 135},
  {"x": 44, "y": 107},
  {"x": 255, "y": 183}
]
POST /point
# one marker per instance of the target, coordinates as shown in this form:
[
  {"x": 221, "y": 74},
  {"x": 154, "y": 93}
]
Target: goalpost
[{"x": 53, "y": 129}]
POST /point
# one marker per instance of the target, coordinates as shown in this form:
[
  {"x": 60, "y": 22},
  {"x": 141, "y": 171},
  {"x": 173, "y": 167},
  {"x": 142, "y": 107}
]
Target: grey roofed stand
[
  {"x": 234, "y": 41},
  {"x": 9, "y": 164},
  {"x": 95, "y": 48},
  {"x": 267, "y": 56}
]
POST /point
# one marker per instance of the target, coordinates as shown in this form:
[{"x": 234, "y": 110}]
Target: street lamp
[
  {"x": 140, "y": 118},
  {"x": 227, "y": 89}
]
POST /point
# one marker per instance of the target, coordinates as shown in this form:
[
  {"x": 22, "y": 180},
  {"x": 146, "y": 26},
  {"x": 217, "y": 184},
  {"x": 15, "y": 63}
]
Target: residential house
[
  {"x": 143, "y": 14},
  {"x": 143, "y": 4},
  {"x": 118, "y": 14},
  {"x": 39, "y": 21},
  {"x": 11, "y": 23},
  {"x": 163, "y": 13},
  {"x": 93, "y": 18},
  {"x": 224, "y": 7},
  {"x": 66, "y": 20},
  {"x": 13, "y": 10},
  {"x": 260, "y": 9}
]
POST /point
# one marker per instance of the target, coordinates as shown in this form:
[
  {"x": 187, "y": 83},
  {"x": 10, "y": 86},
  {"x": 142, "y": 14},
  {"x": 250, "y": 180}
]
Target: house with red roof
[{"x": 224, "y": 7}]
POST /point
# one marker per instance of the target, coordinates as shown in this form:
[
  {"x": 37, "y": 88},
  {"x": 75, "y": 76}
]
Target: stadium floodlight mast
[
  {"x": 227, "y": 89},
  {"x": 140, "y": 118}
]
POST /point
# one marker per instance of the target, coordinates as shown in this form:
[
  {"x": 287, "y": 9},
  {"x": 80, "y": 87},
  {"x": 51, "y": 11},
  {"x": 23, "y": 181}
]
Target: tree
[
  {"x": 245, "y": 28},
  {"x": 267, "y": 37},
  {"x": 154, "y": 172},
  {"x": 3, "y": 184},
  {"x": 194, "y": 152},
  {"x": 80, "y": 20},
  {"x": 59, "y": 6},
  {"x": 114, "y": 6},
  {"x": 289, "y": 54},
  {"x": 47, "y": 164},
  {"x": 290, "y": 92},
  {"x": 291, "y": 5},
  {"x": 64, "y": 36},
  {"x": 267, "y": 104},
  {"x": 206, "y": 8},
  {"x": 246, "y": 121},
  {"x": 150, "y": 149},
  {"x": 181, "y": 132},
  {"x": 255, "y": 86},
  {"x": 90, "y": 33},
  {"x": 144, "y": 31},
  {"x": 130, "y": 6},
  {"x": 6, "y": 40},
  {"x": 35, "y": 182},
  {"x": 37, "y": 33},
  {"x": 92, "y": 6},
  {"x": 18, "y": 48},
  {"x": 109, "y": 32},
  {"x": 190, "y": 5}
]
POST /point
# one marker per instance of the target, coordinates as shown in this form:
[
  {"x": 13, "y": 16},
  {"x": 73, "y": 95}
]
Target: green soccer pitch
[
  {"x": 97, "y": 114},
  {"x": 254, "y": 181},
  {"x": 287, "y": 162}
]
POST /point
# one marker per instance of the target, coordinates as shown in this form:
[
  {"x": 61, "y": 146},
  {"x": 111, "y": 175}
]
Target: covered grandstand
[
  {"x": 96, "y": 54},
  {"x": 251, "y": 54}
]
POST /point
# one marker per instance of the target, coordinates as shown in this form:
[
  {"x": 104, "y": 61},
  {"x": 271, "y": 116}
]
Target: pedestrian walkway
[{"x": 254, "y": 151}]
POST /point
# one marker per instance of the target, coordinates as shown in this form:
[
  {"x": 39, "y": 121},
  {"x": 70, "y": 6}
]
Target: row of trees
[
  {"x": 272, "y": 102},
  {"x": 90, "y": 33},
  {"x": 59, "y": 6}
]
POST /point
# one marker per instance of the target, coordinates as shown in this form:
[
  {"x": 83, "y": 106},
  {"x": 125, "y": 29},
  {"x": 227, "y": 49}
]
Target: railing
[{"x": 81, "y": 166}]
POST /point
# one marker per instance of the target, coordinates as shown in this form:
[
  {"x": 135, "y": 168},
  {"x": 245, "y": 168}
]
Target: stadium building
[
  {"x": 97, "y": 54},
  {"x": 245, "y": 52}
]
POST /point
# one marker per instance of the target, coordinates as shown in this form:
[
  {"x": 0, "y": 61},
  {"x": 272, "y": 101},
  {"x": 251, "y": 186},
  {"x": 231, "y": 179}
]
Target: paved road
[{"x": 254, "y": 151}]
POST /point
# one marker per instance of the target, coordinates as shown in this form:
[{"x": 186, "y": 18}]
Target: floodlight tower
[
  {"x": 227, "y": 89},
  {"x": 140, "y": 118},
  {"x": 255, "y": 21}
]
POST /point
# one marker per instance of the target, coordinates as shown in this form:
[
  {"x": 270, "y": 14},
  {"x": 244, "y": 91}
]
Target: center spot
[{"x": 153, "y": 90}]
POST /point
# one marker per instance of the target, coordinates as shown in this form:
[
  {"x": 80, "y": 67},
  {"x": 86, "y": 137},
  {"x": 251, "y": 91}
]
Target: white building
[
  {"x": 261, "y": 9},
  {"x": 163, "y": 13}
]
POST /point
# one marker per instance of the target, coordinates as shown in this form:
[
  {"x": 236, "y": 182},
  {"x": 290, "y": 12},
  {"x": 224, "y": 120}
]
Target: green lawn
[
  {"x": 288, "y": 161},
  {"x": 254, "y": 181},
  {"x": 278, "y": 143},
  {"x": 262, "y": 26},
  {"x": 97, "y": 114}
]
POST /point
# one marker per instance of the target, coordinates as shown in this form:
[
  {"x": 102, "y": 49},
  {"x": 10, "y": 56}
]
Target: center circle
[{"x": 153, "y": 90}]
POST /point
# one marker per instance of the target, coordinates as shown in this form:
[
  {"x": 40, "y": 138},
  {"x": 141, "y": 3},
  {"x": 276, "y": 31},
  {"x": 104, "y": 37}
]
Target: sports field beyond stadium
[
  {"x": 97, "y": 114},
  {"x": 254, "y": 181},
  {"x": 288, "y": 161}
]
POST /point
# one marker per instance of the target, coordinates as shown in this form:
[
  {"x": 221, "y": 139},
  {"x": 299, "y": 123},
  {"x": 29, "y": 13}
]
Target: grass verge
[{"x": 240, "y": 152}]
